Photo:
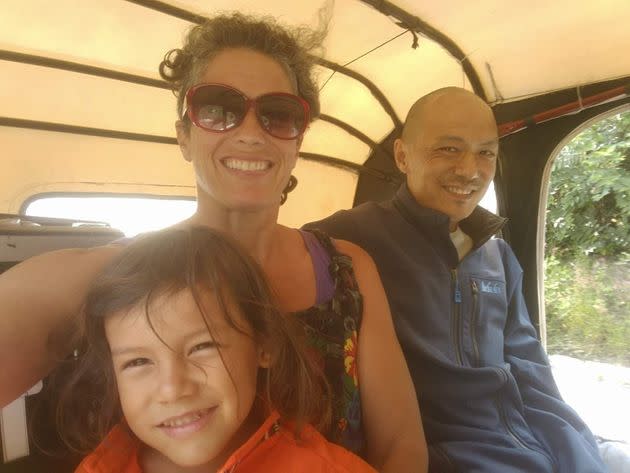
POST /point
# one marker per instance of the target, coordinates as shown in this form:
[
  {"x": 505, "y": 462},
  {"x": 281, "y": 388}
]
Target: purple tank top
[{"x": 324, "y": 284}]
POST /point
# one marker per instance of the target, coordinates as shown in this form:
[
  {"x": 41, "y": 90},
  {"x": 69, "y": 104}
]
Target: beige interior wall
[
  {"x": 37, "y": 162},
  {"x": 321, "y": 191},
  {"x": 34, "y": 162}
]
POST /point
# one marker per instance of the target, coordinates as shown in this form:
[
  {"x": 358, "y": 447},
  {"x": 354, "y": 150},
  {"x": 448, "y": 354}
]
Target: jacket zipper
[
  {"x": 473, "y": 323},
  {"x": 273, "y": 430},
  {"x": 507, "y": 426},
  {"x": 510, "y": 430},
  {"x": 504, "y": 420},
  {"x": 457, "y": 299}
]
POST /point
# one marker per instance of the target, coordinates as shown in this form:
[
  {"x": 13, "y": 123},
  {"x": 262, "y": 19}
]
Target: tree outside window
[
  {"x": 587, "y": 256},
  {"x": 587, "y": 274}
]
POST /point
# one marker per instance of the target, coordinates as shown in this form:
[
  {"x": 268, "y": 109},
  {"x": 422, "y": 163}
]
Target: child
[{"x": 190, "y": 367}]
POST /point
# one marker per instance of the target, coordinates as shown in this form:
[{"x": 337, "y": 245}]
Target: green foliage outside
[{"x": 587, "y": 256}]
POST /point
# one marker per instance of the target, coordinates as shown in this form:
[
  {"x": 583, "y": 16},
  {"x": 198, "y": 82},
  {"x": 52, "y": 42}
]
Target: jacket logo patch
[{"x": 491, "y": 287}]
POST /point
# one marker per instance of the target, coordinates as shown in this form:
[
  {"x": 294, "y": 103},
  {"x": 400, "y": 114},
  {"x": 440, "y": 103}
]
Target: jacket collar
[
  {"x": 268, "y": 429},
  {"x": 480, "y": 225},
  {"x": 119, "y": 450}
]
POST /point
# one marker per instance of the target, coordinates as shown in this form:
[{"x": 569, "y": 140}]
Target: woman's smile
[{"x": 247, "y": 165}]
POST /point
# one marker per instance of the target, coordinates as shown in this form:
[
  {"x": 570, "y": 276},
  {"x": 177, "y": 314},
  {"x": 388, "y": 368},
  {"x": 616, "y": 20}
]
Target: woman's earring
[
  {"x": 292, "y": 184},
  {"x": 264, "y": 359}
]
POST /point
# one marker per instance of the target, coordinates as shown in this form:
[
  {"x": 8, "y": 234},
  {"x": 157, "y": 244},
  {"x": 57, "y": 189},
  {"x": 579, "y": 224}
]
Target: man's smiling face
[{"x": 448, "y": 152}]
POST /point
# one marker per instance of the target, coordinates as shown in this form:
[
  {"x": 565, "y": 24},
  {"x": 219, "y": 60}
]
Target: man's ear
[
  {"x": 183, "y": 139},
  {"x": 400, "y": 155}
]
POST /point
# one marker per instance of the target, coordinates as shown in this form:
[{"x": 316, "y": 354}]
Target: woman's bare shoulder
[{"x": 359, "y": 256}]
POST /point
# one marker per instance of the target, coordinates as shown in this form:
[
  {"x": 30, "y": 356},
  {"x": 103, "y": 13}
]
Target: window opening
[
  {"x": 130, "y": 214},
  {"x": 587, "y": 274}
]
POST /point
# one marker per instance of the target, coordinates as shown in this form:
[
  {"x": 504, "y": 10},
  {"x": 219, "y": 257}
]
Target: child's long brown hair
[{"x": 164, "y": 263}]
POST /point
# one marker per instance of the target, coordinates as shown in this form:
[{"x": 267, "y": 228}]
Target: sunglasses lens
[
  {"x": 283, "y": 116},
  {"x": 217, "y": 108}
]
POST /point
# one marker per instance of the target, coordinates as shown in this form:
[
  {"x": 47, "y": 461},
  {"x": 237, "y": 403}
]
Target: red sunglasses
[{"x": 219, "y": 108}]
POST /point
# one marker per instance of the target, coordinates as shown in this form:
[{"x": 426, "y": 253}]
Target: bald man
[{"x": 488, "y": 399}]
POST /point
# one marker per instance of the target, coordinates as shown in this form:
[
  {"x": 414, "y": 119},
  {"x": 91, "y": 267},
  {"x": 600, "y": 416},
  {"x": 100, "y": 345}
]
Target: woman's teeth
[{"x": 247, "y": 165}]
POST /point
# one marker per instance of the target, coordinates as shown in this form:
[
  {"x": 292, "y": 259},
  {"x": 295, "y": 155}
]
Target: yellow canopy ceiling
[{"x": 515, "y": 48}]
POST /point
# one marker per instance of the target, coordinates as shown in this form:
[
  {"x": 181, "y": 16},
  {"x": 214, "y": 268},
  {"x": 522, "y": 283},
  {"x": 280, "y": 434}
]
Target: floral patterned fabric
[{"x": 333, "y": 329}]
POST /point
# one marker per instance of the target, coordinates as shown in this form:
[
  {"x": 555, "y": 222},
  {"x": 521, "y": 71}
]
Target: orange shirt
[{"x": 272, "y": 448}]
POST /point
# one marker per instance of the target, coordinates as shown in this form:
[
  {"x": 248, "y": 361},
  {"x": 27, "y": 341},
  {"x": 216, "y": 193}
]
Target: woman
[{"x": 245, "y": 97}]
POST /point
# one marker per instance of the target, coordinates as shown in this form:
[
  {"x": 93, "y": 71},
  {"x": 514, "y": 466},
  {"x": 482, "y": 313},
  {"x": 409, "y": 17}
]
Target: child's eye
[
  {"x": 135, "y": 363},
  {"x": 209, "y": 345}
]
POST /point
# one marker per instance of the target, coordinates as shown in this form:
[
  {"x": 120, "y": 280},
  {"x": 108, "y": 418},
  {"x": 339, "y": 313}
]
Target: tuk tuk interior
[{"x": 84, "y": 112}]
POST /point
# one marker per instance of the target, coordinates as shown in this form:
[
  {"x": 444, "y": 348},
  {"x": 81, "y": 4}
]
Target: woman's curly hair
[{"x": 294, "y": 48}]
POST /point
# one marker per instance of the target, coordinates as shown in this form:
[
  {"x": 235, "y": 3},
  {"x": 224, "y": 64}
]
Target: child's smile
[
  {"x": 181, "y": 426},
  {"x": 177, "y": 382}
]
